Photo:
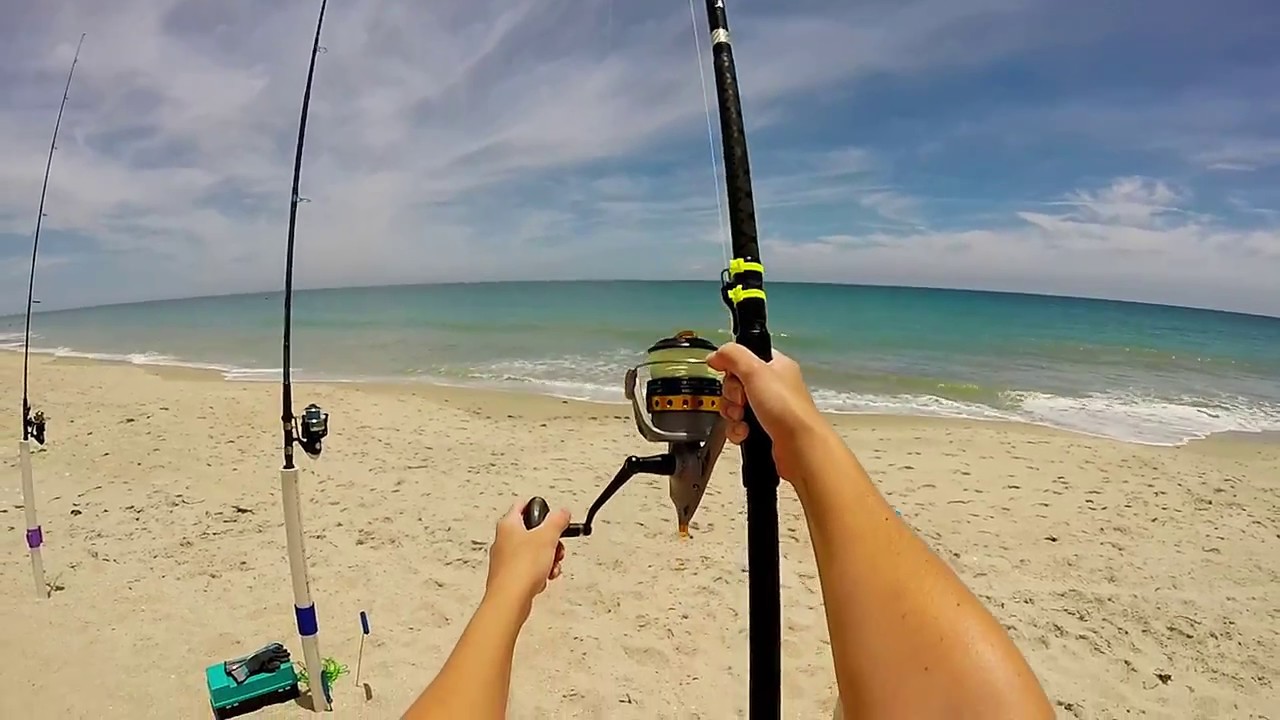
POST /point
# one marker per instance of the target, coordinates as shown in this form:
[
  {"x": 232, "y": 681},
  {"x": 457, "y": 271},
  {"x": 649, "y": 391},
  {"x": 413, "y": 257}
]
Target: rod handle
[{"x": 535, "y": 512}]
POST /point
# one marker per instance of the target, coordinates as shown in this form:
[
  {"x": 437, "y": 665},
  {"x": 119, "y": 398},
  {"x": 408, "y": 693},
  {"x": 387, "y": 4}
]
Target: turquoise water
[{"x": 1143, "y": 373}]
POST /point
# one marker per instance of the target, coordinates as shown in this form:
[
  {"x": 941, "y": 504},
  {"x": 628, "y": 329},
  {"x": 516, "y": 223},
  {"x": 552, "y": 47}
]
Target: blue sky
[{"x": 1116, "y": 149}]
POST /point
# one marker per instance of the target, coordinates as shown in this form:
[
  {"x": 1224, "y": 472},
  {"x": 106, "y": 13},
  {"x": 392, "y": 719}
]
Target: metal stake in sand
[
  {"x": 33, "y": 424},
  {"x": 364, "y": 632},
  {"x": 308, "y": 435}
]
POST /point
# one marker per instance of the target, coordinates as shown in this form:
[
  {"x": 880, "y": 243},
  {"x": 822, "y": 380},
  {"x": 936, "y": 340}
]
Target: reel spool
[
  {"x": 680, "y": 407},
  {"x": 682, "y": 395}
]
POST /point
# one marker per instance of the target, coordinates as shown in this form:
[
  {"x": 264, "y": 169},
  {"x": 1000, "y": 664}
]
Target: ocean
[{"x": 1141, "y": 373}]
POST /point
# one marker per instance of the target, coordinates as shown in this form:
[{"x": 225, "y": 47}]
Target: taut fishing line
[
  {"x": 680, "y": 403},
  {"x": 726, "y": 243},
  {"x": 33, "y": 423}
]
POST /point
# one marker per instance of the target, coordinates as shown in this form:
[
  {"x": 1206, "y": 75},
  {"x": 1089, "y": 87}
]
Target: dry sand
[{"x": 1141, "y": 582}]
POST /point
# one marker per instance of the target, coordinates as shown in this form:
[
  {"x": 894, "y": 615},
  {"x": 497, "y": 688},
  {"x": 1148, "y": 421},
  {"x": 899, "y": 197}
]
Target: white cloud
[
  {"x": 843, "y": 161},
  {"x": 1108, "y": 246},
  {"x": 892, "y": 205},
  {"x": 1240, "y": 154},
  {"x": 1134, "y": 201}
]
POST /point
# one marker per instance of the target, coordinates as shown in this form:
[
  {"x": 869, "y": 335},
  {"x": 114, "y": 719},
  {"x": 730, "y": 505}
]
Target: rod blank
[{"x": 759, "y": 475}]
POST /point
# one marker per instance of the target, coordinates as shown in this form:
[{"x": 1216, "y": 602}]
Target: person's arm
[
  {"x": 908, "y": 638},
  {"x": 476, "y": 679}
]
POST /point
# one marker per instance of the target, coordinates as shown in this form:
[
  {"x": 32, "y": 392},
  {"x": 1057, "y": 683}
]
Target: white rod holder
[
  {"x": 35, "y": 535},
  {"x": 304, "y": 607}
]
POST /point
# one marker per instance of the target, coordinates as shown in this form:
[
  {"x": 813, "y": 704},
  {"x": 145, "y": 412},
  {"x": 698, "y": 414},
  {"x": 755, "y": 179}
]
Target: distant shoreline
[{"x": 472, "y": 394}]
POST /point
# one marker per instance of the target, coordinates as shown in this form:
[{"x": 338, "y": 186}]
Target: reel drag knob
[{"x": 535, "y": 512}]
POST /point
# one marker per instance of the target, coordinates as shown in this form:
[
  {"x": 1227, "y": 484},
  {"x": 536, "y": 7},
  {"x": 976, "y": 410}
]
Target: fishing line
[{"x": 725, "y": 241}]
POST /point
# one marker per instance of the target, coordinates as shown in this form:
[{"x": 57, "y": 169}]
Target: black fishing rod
[
  {"x": 743, "y": 292},
  {"x": 681, "y": 402},
  {"x": 33, "y": 427},
  {"x": 33, "y": 424},
  {"x": 307, "y": 434},
  {"x": 315, "y": 424}
]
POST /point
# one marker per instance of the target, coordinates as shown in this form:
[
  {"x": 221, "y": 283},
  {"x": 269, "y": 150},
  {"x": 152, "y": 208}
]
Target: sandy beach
[{"x": 1141, "y": 581}]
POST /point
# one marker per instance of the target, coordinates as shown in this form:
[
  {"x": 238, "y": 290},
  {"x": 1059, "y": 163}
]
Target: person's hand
[
  {"x": 778, "y": 395},
  {"x": 522, "y": 561}
]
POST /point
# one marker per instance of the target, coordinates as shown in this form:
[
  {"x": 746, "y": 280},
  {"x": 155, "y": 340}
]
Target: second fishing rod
[
  {"x": 681, "y": 400},
  {"x": 308, "y": 432},
  {"x": 34, "y": 421}
]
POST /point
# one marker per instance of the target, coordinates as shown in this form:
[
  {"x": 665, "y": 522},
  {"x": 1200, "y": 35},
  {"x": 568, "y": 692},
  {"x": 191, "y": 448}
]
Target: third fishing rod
[{"x": 33, "y": 422}]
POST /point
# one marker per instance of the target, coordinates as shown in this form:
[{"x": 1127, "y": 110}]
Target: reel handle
[{"x": 535, "y": 512}]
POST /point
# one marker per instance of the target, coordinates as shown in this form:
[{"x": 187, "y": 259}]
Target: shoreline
[{"x": 194, "y": 371}]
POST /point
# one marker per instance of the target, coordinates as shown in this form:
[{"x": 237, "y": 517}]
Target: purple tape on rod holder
[{"x": 35, "y": 538}]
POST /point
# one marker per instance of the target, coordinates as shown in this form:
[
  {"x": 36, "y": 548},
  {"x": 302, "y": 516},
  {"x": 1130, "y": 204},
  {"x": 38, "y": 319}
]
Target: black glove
[{"x": 267, "y": 660}]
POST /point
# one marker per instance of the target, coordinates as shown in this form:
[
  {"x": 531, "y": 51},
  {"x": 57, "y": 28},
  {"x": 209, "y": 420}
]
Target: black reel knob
[{"x": 535, "y": 512}]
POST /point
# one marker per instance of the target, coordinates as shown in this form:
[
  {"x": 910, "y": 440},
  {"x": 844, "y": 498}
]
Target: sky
[{"x": 1103, "y": 148}]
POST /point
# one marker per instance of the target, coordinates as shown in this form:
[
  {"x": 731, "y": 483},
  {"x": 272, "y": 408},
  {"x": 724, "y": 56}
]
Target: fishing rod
[
  {"x": 309, "y": 433},
  {"x": 682, "y": 396},
  {"x": 33, "y": 422}
]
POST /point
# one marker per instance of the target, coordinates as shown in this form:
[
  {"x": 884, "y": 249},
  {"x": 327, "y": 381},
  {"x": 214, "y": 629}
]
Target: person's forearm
[
  {"x": 908, "y": 638},
  {"x": 476, "y": 679}
]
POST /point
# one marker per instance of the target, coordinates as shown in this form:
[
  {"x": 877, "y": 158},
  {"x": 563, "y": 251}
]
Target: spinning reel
[
  {"x": 33, "y": 424},
  {"x": 310, "y": 431},
  {"x": 680, "y": 407}
]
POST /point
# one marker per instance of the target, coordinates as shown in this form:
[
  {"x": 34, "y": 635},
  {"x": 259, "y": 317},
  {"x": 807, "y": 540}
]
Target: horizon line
[{"x": 935, "y": 288}]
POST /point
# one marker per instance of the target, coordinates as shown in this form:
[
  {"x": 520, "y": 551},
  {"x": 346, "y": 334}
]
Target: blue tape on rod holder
[{"x": 307, "y": 625}]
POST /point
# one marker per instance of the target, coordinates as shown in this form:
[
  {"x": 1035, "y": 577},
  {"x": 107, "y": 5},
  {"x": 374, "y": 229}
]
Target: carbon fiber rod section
[{"x": 759, "y": 474}]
